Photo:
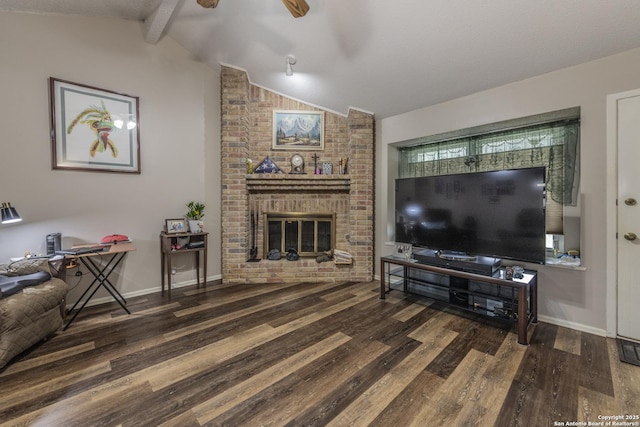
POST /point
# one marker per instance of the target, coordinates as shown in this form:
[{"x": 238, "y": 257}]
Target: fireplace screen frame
[{"x": 293, "y": 226}]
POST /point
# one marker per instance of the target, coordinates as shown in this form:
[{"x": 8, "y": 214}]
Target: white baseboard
[
  {"x": 573, "y": 325},
  {"x": 175, "y": 285}
]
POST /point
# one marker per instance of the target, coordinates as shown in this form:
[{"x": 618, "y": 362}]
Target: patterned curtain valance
[{"x": 554, "y": 145}]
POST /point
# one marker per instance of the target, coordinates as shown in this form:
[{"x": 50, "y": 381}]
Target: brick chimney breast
[{"x": 247, "y": 114}]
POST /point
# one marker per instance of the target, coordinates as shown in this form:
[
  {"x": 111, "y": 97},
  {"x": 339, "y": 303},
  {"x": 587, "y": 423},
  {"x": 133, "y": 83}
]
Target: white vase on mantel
[{"x": 196, "y": 225}]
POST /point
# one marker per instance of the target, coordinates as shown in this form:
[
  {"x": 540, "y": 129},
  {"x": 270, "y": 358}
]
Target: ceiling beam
[
  {"x": 297, "y": 8},
  {"x": 156, "y": 23}
]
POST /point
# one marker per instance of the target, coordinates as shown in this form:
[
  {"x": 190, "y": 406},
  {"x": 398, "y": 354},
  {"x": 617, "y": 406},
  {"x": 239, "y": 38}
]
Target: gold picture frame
[{"x": 298, "y": 130}]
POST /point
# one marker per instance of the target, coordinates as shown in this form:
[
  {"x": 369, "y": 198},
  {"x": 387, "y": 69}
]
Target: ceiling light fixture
[{"x": 291, "y": 60}]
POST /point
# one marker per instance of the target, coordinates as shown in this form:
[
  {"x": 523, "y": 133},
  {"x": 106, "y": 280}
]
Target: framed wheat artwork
[{"x": 93, "y": 129}]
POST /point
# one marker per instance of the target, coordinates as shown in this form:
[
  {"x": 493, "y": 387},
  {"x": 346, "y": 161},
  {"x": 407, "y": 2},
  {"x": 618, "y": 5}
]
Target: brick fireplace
[{"x": 247, "y": 112}]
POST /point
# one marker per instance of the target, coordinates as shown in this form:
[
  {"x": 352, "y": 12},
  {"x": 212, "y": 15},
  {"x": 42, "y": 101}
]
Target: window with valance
[{"x": 554, "y": 145}]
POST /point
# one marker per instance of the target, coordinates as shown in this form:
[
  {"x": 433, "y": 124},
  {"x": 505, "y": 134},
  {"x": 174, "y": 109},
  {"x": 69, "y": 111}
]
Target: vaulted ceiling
[{"x": 382, "y": 56}]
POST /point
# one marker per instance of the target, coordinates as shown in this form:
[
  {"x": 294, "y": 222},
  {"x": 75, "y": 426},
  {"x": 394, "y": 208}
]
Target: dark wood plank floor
[{"x": 310, "y": 355}]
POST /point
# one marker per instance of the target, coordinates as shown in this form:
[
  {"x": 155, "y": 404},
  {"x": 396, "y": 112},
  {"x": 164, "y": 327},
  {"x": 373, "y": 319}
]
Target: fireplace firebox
[{"x": 310, "y": 234}]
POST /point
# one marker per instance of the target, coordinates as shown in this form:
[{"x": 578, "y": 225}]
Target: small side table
[{"x": 167, "y": 245}]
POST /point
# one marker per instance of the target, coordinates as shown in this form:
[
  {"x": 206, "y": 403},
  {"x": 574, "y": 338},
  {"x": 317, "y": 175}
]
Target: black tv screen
[{"x": 498, "y": 213}]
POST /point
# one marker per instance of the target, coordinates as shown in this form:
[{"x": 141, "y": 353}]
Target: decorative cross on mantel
[{"x": 315, "y": 158}]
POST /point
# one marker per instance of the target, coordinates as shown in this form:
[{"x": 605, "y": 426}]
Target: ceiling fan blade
[
  {"x": 297, "y": 8},
  {"x": 208, "y": 3}
]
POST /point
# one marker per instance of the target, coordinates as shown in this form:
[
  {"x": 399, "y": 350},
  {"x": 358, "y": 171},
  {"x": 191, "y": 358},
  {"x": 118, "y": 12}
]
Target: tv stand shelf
[{"x": 494, "y": 296}]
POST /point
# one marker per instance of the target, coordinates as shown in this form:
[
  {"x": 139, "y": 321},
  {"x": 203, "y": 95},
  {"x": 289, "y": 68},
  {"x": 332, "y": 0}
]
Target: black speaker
[{"x": 54, "y": 243}]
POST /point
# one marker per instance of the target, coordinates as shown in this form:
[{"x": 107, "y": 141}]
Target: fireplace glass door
[{"x": 310, "y": 234}]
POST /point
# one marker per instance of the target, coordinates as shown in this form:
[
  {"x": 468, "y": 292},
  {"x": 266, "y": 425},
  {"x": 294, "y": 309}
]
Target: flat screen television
[{"x": 497, "y": 214}]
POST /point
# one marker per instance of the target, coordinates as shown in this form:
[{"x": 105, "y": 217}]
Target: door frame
[{"x": 612, "y": 210}]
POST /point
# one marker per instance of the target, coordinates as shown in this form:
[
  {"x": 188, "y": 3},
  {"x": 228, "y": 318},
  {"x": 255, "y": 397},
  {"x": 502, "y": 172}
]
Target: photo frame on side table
[
  {"x": 93, "y": 129},
  {"x": 298, "y": 130},
  {"x": 403, "y": 251},
  {"x": 173, "y": 226}
]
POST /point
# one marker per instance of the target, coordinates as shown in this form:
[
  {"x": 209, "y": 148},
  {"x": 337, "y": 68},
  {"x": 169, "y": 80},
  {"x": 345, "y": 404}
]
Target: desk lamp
[{"x": 9, "y": 214}]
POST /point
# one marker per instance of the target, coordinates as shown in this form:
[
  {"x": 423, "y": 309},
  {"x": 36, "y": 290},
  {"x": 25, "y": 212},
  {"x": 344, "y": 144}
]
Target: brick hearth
[{"x": 247, "y": 112}]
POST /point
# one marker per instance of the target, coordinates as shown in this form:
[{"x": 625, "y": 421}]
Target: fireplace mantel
[{"x": 294, "y": 182}]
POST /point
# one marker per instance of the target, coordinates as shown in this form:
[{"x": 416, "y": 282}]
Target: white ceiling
[{"x": 382, "y": 56}]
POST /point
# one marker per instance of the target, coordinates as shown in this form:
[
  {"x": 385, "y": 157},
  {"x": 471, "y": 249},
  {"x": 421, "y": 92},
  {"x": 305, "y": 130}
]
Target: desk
[
  {"x": 101, "y": 273},
  {"x": 167, "y": 244}
]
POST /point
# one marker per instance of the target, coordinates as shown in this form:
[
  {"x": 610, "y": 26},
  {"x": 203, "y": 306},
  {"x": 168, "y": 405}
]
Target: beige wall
[
  {"x": 180, "y": 151},
  {"x": 574, "y": 298}
]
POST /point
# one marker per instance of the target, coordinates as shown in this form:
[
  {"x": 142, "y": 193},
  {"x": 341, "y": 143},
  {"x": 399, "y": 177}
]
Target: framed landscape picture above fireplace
[{"x": 298, "y": 130}]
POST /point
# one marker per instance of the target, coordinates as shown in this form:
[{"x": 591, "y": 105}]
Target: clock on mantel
[{"x": 297, "y": 164}]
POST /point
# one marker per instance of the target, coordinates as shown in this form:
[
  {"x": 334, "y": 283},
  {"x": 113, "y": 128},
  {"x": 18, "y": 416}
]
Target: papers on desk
[{"x": 82, "y": 250}]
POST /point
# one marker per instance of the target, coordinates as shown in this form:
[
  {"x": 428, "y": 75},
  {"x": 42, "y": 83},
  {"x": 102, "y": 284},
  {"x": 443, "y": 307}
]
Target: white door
[{"x": 628, "y": 129}]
